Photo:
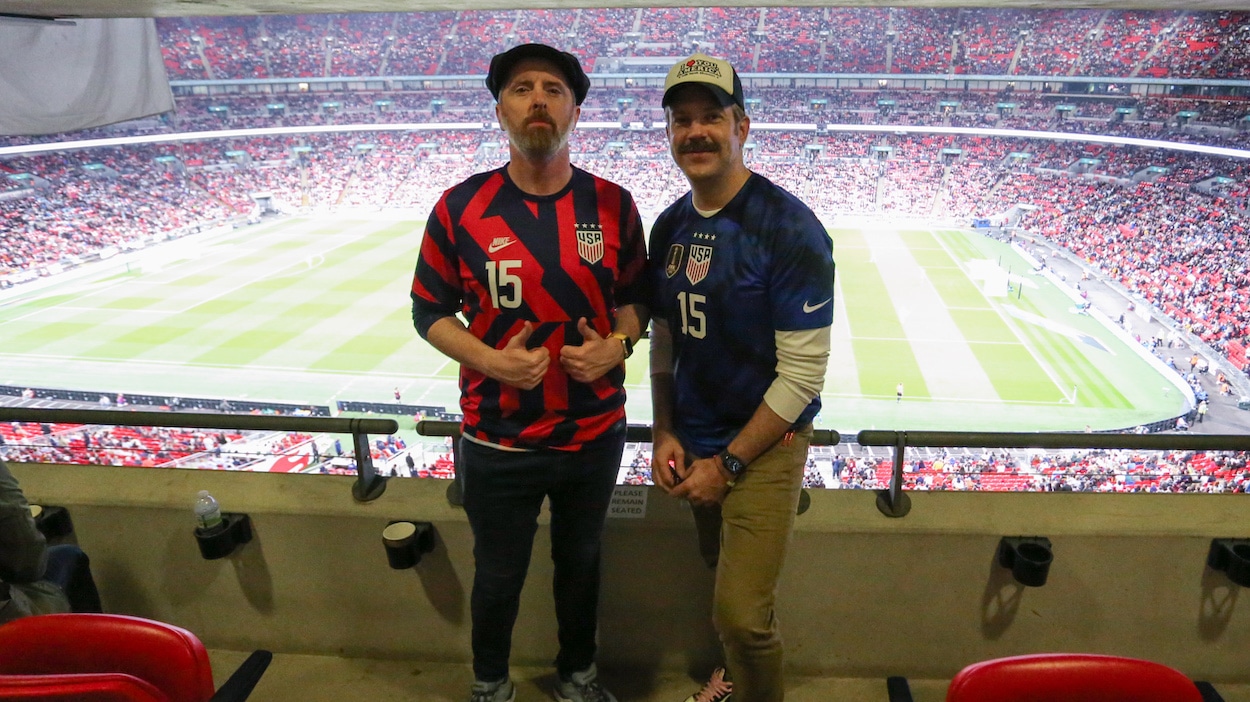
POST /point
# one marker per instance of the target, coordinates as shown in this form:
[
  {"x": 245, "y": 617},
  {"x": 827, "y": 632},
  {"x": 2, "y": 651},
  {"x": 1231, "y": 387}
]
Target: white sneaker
[{"x": 498, "y": 691}]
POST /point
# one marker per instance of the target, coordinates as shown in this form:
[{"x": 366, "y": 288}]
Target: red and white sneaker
[{"x": 717, "y": 689}]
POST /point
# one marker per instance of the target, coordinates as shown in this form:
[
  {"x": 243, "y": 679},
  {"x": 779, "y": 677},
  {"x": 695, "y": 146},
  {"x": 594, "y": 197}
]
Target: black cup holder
[
  {"x": 1233, "y": 557},
  {"x": 405, "y": 541},
  {"x": 220, "y": 541},
  {"x": 1027, "y": 557}
]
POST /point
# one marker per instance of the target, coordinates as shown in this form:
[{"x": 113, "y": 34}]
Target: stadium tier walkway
[{"x": 303, "y": 678}]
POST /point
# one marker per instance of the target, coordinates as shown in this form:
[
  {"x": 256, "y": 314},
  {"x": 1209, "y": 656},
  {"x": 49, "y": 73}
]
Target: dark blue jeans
[
  {"x": 70, "y": 568},
  {"x": 503, "y": 493}
]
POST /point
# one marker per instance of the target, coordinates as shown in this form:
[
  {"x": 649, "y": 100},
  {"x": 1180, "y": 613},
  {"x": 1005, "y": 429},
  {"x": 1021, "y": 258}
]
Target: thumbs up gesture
[
  {"x": 595, "y": 356},
  {"x": 519, "y": 366}
]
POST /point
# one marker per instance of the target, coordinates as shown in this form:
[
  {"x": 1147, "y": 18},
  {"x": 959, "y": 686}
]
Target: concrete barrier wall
[{"x": 862, "y": 595}]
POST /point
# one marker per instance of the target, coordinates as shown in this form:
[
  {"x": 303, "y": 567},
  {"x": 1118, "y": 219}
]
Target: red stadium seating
[
  {"x": 1071, "y": 677},
  {"x": 148, "y": 660}
]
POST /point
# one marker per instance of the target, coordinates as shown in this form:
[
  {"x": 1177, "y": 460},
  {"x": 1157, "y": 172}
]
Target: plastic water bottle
[{"x": 207, "y": 511}]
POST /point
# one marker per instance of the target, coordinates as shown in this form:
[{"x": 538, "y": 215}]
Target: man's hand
[
  {"x": 519, "y": 366},
  {"x": 668, "y": 460},
  {"x": 704, "y": 484},
  {"x": 596, "y": 355}
]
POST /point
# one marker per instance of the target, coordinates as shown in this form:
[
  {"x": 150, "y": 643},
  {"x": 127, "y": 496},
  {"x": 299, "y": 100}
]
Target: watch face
[
  {"x": 733, "y": 464},
  {"x": 627, "y": 342}
]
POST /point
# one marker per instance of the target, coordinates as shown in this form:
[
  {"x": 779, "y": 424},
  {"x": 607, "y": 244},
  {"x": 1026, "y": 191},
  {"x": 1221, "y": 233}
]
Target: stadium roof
[{"x": 179, "y": 8}]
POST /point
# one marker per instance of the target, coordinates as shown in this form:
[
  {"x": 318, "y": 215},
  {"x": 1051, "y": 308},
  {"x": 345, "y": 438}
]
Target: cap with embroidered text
[{"x": 717, "y": 75}]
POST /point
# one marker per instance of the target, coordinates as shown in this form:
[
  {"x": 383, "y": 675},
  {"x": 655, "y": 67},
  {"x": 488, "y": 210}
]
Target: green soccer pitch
[{"x": 316, "y": 309}]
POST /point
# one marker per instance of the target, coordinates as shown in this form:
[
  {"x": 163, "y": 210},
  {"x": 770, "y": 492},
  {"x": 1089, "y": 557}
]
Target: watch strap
[
  {"x": 736, "y": 466},
  {"x": 627, "y": 342}
]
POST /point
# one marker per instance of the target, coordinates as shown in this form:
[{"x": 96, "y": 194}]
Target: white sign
[{"x": 628, "y": 502}]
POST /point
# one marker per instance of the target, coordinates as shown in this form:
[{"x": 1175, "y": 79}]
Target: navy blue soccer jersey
[
  {"x": 725, "y": 285},
  {"x": 502, "y": 257}
]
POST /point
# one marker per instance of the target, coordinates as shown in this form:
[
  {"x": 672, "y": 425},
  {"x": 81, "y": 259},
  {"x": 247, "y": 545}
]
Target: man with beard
[
  {"x": 545, "y": 263},
  {"x": 742, "y": 279}
]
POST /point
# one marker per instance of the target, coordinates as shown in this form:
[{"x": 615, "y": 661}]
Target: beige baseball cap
[{"x": 715, "y": 74}]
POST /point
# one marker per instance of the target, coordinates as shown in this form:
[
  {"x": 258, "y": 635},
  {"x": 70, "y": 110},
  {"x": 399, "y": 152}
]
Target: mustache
[
  {"x": 695, "y": 146},
  {"x": 542, "y": 118}
]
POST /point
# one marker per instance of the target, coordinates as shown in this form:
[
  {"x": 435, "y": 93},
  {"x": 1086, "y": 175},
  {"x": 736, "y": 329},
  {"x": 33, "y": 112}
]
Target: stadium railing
[
  {"x": 369, "y": 483},
  {"x": 894, "y": 502},
  {"x": 633, "y": 432}
]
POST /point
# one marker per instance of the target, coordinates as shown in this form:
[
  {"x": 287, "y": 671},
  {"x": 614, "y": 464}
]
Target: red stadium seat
[
  {"x": 113, "y": 657},
  {"x": 1071, "y": 677},
  {"x": 79, "y": 687}
]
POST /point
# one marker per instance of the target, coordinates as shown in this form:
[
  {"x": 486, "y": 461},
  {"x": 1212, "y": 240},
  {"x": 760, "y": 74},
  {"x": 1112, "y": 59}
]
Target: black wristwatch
[{"x": 734, "y": 465}]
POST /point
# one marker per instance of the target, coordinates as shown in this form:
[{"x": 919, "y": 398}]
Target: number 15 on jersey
[
  {"x": 505, "y": 286},
  {"x": 693, "y": 320}
]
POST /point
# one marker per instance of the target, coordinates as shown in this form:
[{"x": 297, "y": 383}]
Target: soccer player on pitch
[
  {"x": 546, "y": 264},
  {"x": 742, "y": 305}
]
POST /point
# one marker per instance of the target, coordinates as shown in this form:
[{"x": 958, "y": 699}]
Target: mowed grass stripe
[
  {"x": 42, "y": 335},
  {"x": 245, "y": 348},
  {"x": 983, "y": 326},
  {"x": 1084, "y": 373},
  {"x": 1013, "y": 372},
  {"x": 276, "y": 310},
  {"x": 919, "y": 240},
  {"x": 139, "y": 341},
  {"x": 1067, "y": 361},
  {"x": 959, "y": 245},
  {"x": 276, "y": 249},
  {"x": 1049, "y": 347},
  {"x": 882, "y": 363},
  {"x": 933, "y": 259},
  {"x": 363, "y": 299},
  {"x": 132, "y": 303},
  {"x": 883, "y": 355},
  {"x": 45, "y": 302},
  {"x": 366, "y": 349}
]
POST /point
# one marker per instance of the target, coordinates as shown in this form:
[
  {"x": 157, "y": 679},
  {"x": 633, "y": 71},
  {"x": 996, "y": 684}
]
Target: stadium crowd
[
  {"x": 1151, "y": 219},
  {"x": 956, "y": 41},
  {"x": 1119, "y": 470}
]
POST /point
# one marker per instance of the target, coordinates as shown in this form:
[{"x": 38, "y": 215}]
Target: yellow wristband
[{"x": 626, "y": 342}]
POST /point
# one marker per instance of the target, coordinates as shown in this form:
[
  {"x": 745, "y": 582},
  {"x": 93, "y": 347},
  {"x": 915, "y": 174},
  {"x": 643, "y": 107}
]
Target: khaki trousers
[{"x": 746, "y": 540}]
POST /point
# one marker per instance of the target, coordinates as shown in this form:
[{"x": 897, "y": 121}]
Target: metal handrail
[
  {"x": 633, "y": 432},
  {"x": 894, "y": 502},
  {"x": 369, "y": 483},
  {"x": 455, "y": 491}
]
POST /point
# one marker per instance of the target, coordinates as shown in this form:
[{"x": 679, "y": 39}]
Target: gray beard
[{"x": 539, "y": 143}]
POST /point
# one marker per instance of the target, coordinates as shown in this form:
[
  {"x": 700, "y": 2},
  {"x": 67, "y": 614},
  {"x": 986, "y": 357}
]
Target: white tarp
[{"x": 60, "y": 78}]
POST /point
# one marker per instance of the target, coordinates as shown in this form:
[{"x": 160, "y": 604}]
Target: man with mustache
[
  {"x": 545, "y": 262},
  {"x": 742, "y": 305}
]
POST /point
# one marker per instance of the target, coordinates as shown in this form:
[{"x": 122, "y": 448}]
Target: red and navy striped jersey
[{"x": 502, "y": 257}]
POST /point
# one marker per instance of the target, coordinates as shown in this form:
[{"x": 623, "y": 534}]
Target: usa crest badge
[
  {"x": 676, "y": 253},
  {"x": 697, "y": 265},
  {"x": 590, "y": 243}
]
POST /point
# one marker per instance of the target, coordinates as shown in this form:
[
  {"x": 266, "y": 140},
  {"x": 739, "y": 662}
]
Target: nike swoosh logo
[
  {"x": 500, "y": 245},
  {"x": 813, "y": 308}
]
